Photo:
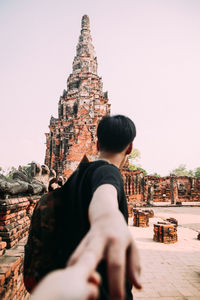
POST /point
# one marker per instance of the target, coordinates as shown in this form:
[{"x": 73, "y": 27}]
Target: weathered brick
[
  {"x": 142, "y": 190},
  {"x": 82, "y": 105},
  {"x": 165, "y": 233}
]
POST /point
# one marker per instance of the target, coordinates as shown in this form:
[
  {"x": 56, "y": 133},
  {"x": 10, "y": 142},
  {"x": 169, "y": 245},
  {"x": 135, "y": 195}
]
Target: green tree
[
  {"x": 197, "y": 172},
  {"x": 134, "y": 156},
  {"x": 155, "y": 174},
  {"x": 182, "y": 171},
  {"x": 133, "y": 159},
  {"x": 190, "y": 173},
  {"x": 137, "y": 167},
  {"x": 141, "y": 169}
]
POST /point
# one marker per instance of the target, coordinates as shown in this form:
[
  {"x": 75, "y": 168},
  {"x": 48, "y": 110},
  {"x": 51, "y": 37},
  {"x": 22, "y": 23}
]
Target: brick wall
[
  {"x": 15, "y": 214},
  {"x": 142, "y": 190}
]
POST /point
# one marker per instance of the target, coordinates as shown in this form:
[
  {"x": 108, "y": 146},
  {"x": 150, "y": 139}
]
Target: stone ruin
[
  {"x": 141, "y": 217},
  {"x": 71, "y": 136},
  {"x": 19, "y": 196},
  {"x": 32, "y": 182},
  {"x": 144, "y": 190},
  {"x": 165, "y": 232},
  {"x": 80, "y": 108},
  {"x": 173, "y": 221}
]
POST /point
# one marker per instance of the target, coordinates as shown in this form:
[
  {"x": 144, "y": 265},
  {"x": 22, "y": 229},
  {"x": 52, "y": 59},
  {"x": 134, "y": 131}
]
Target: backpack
[
  {"x": 47, "y": 248},
  {"x": 43, "y": 249}
]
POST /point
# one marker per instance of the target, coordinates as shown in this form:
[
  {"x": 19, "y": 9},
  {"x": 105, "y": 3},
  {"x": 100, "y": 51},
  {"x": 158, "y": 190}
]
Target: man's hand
[
  {"x": 110, "y": 237},
  {"x": 78, "y": 282}
]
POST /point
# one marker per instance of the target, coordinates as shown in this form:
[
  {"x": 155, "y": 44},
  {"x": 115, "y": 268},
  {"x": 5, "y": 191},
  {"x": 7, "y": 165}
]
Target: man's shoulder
[
  {"x": 89, "y": 168},
  {"x": 107, "y": 168},
  {"x": 93, "y": 164},
  {"x": 100, "y": 164}
]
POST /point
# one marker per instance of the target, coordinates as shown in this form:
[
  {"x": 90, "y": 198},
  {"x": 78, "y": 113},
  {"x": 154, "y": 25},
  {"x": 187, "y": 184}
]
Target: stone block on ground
[
  {"x": 140, "y": 219},
  {"x": 165, "y": 232}
]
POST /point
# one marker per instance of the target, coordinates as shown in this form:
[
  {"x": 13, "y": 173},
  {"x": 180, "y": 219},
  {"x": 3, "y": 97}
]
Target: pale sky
[{"x": 148, "y": 56}]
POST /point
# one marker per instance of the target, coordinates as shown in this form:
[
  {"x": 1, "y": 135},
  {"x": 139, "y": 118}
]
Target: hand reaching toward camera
[
  {"x": 109, "y": 236},
  {"x": 78, "y": 282}
]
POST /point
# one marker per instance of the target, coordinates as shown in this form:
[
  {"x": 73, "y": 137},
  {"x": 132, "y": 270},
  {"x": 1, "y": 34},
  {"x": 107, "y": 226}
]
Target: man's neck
[{"x": 117, "y": 159}]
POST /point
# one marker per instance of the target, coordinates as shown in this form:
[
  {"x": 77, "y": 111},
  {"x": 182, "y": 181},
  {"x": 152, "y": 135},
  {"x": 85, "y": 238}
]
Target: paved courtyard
[{"x": 170, "y": 271}]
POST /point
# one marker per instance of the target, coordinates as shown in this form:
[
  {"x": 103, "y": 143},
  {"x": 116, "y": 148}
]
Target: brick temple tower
[{"x": 80, "y": 108}]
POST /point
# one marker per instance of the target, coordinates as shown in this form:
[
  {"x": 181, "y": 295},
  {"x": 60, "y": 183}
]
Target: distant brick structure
[
  {"x": 82, "y": 105},
  {"x": 146, "y": 190}
]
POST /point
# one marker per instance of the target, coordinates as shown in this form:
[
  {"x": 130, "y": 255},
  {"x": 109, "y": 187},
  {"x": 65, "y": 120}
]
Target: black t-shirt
[{"x": 73, "y": 221}]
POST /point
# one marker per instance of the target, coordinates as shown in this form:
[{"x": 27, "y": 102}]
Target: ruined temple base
[
  {"x": 173, "y": 221},
  {"x": 141, "y": 218},
  {"x": 2, "y": 246},
  {"x": 15, "y": 214},
  {"x": 11, "y": 274},
  {"x": 165, "y": 233},
  {"x": 150, "y": 212}
]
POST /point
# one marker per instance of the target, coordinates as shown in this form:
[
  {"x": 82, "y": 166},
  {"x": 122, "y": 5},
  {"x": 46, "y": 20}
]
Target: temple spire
[
  {"x": 73, "y": 134},
  {"x": 85, "y": 60},
  {"x": 85, "y": 23}
]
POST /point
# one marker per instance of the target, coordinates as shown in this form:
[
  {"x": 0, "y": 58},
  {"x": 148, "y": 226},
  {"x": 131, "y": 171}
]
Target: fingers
[
  {"x": 92, "y": 292},
  {"x": 86, "y": 264},
  {"x": 95, "y": 278},
  {"x": 133, "y": 266},
  {"x": 116, "y": 270},
  {"x": 88, "y": 254}
]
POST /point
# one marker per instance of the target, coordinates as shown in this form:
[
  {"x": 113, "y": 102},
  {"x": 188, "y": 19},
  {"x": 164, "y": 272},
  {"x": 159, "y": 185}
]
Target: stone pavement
[{"x": 170, "y": 271}]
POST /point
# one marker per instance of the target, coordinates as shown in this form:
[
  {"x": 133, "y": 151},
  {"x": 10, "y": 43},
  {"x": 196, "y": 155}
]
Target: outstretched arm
[
  {"x": 109, "y": 236},
  {"x": 78, "y": 282}
]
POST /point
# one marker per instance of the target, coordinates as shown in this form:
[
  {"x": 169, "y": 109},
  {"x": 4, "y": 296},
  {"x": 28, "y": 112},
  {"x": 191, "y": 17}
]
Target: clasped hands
[{"x": 109, "y": 238}]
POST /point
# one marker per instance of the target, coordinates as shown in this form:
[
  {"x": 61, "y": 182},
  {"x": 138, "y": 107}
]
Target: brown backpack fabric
[{"x": 41, "y": 248}]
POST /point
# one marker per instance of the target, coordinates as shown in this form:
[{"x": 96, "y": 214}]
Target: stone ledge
[{"x": 11, "y": 273}]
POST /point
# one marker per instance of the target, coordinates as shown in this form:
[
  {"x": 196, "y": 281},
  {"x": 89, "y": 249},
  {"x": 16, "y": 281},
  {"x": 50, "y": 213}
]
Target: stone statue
[{"x": 33, "y": 181}]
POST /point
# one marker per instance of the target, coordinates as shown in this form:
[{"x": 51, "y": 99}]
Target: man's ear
[
  {"x": 129, "y": 149},
  {"x": 98, "y": 146}
]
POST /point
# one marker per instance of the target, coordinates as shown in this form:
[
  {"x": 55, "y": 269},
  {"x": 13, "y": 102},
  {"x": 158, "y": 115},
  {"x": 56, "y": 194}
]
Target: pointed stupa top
[
  {"x": 85, "y": 24},
  {"x": 85, "y": 60}
]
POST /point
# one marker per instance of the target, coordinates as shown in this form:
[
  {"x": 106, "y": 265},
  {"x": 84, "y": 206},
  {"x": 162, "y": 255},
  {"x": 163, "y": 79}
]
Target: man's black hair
[{"x": 115, "y": 133}]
